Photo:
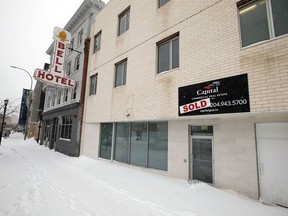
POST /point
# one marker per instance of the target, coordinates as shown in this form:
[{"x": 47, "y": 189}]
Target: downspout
[{"x": 83, "y": 89}]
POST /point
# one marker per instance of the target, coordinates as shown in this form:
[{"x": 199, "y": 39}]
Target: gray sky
[{"x": 25, "y": 35}]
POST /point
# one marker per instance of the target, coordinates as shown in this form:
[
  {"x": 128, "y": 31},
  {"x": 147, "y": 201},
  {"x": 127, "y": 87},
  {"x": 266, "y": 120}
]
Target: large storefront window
[
  {"x": 122, "y": 142},
  {"x": 158, "y": 145},
  {"x": 106, "y": 140},
  {"x": 138, "y": 143}
]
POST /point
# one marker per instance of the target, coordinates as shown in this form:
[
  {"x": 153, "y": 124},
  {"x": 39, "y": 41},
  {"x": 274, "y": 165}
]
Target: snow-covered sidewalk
[{"x": 36, "y": 181}]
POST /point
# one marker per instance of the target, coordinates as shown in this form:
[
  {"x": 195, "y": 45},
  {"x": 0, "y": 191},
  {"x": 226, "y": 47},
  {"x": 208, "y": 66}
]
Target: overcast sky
[{"x": 25, "y": 35}]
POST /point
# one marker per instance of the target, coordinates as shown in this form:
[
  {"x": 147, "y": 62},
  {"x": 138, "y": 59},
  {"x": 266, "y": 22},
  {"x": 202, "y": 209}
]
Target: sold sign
[{"x": 195, "y": 106}]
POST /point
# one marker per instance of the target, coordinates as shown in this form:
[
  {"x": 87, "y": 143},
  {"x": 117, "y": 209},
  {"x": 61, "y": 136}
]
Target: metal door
[
  {"x": 201, "y": 160},
  {"x": 272, "y": 145}
]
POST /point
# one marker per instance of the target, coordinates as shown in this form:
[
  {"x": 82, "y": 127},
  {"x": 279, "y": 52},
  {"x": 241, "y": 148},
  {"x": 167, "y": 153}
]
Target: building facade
[
  {"x": 192, "y": 89},
  {"x": 62, "y": 111}
]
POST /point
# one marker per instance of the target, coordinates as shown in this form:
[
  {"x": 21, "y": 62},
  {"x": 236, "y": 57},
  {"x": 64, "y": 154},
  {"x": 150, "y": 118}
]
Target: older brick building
[{"x": 192, "y": 89}]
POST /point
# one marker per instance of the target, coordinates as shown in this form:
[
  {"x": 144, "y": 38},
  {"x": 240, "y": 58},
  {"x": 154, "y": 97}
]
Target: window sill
[
  {"x": 64, "y": 139},
  {"x": 264, "y": 42},
  {"x": 120, "y": 87},
  {"x": 167, "y": 71}
]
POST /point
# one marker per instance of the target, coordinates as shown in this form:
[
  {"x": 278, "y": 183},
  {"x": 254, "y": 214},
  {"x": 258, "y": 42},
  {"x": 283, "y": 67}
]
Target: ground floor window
[
  {"x": 122, "y": 140},
  {"x": 106, "y": 140},
  {"x": 66, "y": 127},
  {"x": 138, "y": 143}
]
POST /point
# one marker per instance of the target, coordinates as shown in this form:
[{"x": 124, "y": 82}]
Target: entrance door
[
  {"x": 201, "y": 160},
  {"x": 54, "y": 133},
  {"x": 47, "y": 133},
  {"x": 272, "y": 142}
]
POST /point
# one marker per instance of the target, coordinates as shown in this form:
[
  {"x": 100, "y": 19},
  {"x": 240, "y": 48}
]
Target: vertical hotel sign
[{"x": 56, "y": 76}]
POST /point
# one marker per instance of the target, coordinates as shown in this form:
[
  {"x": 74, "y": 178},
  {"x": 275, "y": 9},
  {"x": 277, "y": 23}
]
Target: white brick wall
[{"x": 209, "y": 49}]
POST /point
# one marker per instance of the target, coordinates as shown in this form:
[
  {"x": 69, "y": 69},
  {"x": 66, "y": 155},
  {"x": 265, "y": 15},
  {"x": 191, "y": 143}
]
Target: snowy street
[{"x": 37, "y": 181}]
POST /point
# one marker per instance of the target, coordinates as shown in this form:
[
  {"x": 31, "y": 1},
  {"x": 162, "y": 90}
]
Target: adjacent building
[
  {"x": 62, "y": 115},
  {"x": 192, "y": 89}
]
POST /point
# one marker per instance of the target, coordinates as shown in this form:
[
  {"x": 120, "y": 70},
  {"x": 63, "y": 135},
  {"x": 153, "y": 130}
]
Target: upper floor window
[
  {"x": 59, "y": 94},
  {"x": 124, "y": 20},
  {"x": 80, "y": 37},
  {"x": 65, "y": 95},
  {"x": 68, "y": 69},
  {"x": 93, "y": 84},
  {"x": 261, "y": 20},
  {"x": 77, "y": 62},
  {"x": 120, "y": 73},
  {"x": 97, "y": 42},
  {"x": 48, "y": 102},
  {"x": 74, "y": 93},
  {"x": 162, "y": 2},
  {"x": 71, "y": 45},
  {"x": 53, "y": 100},
  {"x": 168, "y": 53}
]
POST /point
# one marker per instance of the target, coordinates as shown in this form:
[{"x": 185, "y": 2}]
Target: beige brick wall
[{"x": 209, "y": 49}]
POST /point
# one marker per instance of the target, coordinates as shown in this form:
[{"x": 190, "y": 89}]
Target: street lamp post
[
  {"x": 3, "y": 120},
  {"x": 30, "y": 98}
]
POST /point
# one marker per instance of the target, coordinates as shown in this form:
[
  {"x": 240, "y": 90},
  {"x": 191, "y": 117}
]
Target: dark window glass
[
  {"x": 253, "y": 23},
  {"x": 97, "y": 42},
  {"x": 280, "y": 16},
  {"x": 202, "y": 130},
  {"x": 93, "y": 84},
  {"x": 74, "y": 93},
  {"x": 139, "y": 144},
  {"x": 175, "y": 53},
  {"x": 66, "y": 127},
  {"x": 124, "y": 20},
  {"x": 202, "y": 161},
  {"x": 122, "y": 142},
  {"x": 162, "y": 2},
  {"x": 77, "y": 62},
  {"x": 106, "y": 140},
  {"x": 68, "y": 68},
  {"x": 120, "y": 74},
  {"x": 168, "y": 55},
  {"x": 164, "y": 57},
  {"x": 158, "y": 145}
]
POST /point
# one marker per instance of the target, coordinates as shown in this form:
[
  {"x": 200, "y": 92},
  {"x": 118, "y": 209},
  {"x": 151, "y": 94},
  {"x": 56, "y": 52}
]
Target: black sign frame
[{"x": 226, "y": 95}]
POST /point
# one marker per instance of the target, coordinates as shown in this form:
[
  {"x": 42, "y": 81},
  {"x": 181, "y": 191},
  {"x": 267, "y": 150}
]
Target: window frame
[
  {"x": 169, "y": 40},
  {"x": 93, "y": 87},
  {"x": 161, "y": 3},
  {"x": 270, "y": 22},
  {"x": 124, "y": 64},
  {"x": 71, "y": 45},
  {"x": 95, "y": 47},
  {"x": 66, "y": 127},
  {"x": 154, "y": 134},
  {"x": 126, "y": 15},
  {"x": 80, "y": 37},
  {"x": 74, "y": 92},
  {"x": 68, "y": 66},
  {"x": 77, "y": 63},
  {"x": 59, "y": 95},
  {"x": 65, "y": 95}
]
